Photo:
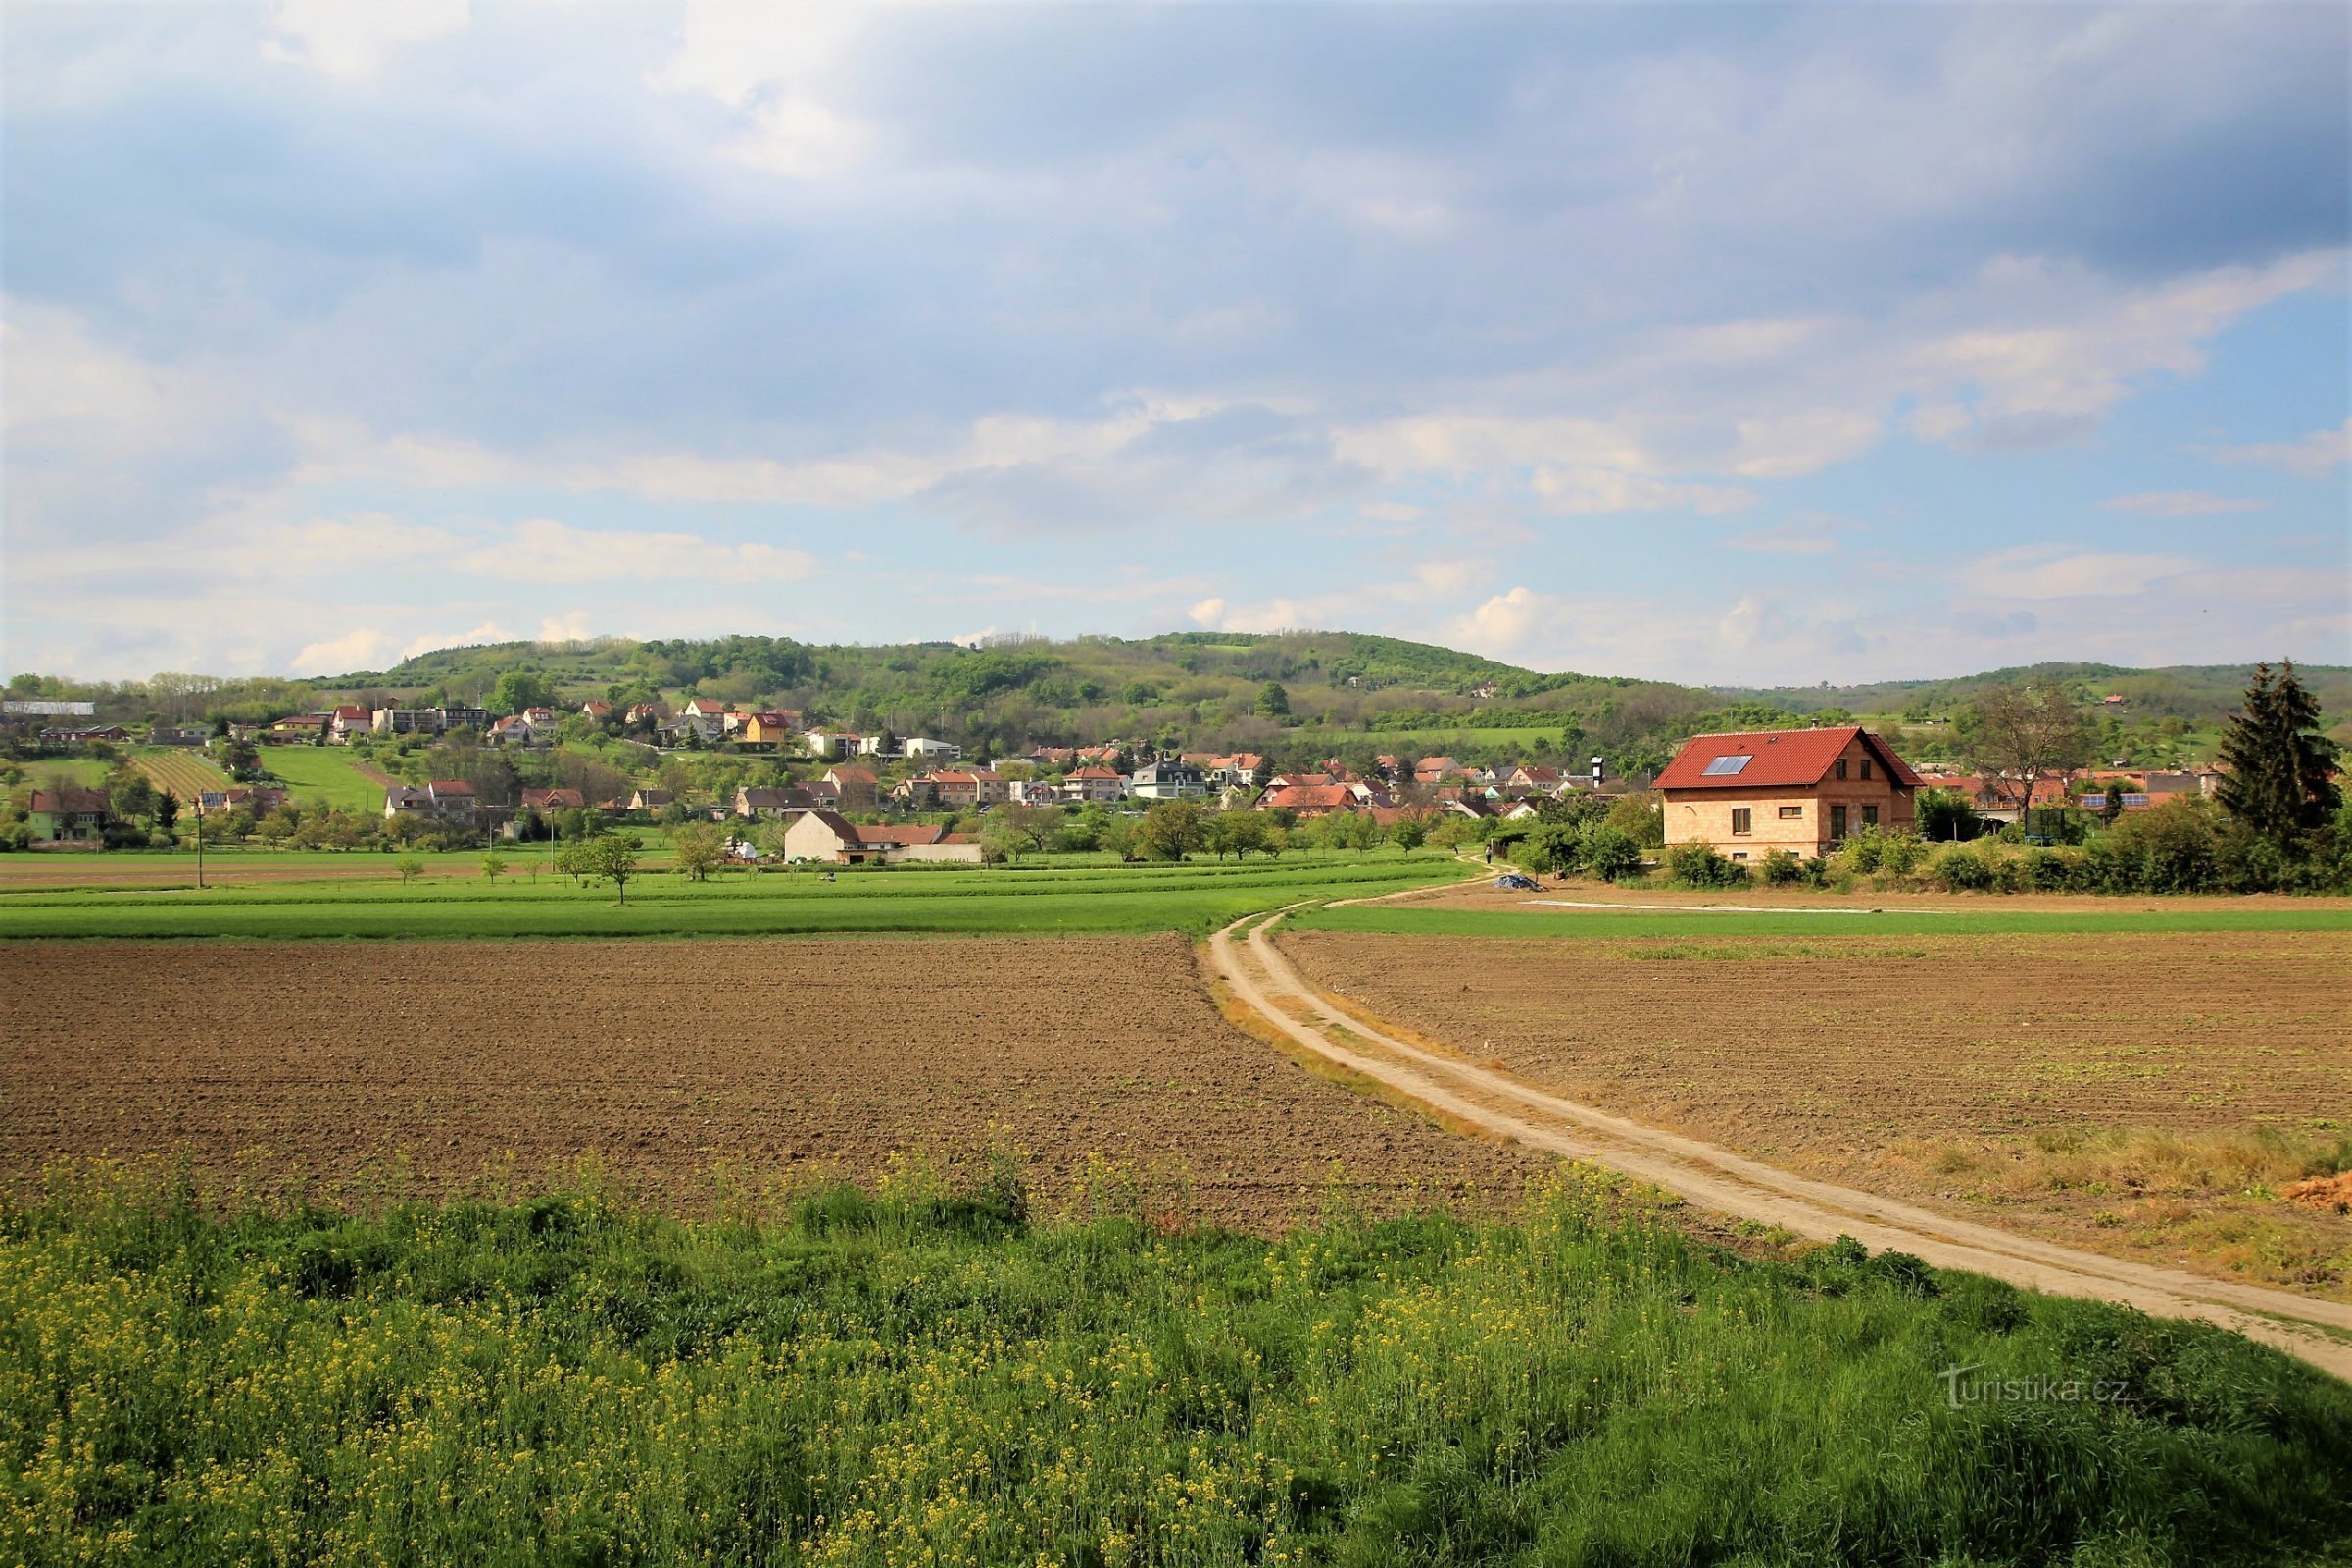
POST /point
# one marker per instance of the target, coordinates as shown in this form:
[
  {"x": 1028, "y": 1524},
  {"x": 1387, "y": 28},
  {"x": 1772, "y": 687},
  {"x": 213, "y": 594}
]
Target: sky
[{"x": 1747, "y": 344}]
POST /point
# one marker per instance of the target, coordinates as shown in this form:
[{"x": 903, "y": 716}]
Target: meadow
[
  {"x": 917, "y": 1375},
  {"x": 455, "y": 900},
  {"x": 326, "y": 773}
]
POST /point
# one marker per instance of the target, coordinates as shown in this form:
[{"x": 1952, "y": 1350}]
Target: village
[{"x": 825, "y": 795}]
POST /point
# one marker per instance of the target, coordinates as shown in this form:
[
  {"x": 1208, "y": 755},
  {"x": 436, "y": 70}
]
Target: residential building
[
  {"x": 427, "y": 720},
  {"x": 113, "y": 734},
  {"x": 69, "y": 814},
  {"x": 177, "y": 735},
  {"x": 1241, "y": 767},
  {"x": 921, "y": 746},
  {"x": 348, "y": 722},
  {"x": 298, "y": 727},
  {"x": 858, "y": 788},
  {"x": 704, "y": 707},
  {"x": 454, "y": 801},
  {"x": 1167, "y": 781},
  {"x": 1800, "y": 790},
  {"x": 1099, "y": 784},
  {"x": 764, "y": 800},
  {"x": 649, "y": 800},
  {"x": 1308, "y": 800},
  {"x": 596, "y": 710},
  {"x": 545, "y": 801},
  {"x": 832, "y": 743},
  {"x": 767, "y": 729}
]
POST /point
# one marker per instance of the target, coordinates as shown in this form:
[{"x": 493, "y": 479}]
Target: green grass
[
  {"x": 1591, "y": 923},
  {"x": 1195, "y": 899},
  {"x": 89, "y": 771},
  {"x": 925, "y": 1376},
  {"x": 326, "y": 773}
]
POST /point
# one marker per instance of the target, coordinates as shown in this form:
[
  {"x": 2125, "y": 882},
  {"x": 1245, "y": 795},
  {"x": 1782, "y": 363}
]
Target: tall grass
[{"x": 916, "y": 1376}]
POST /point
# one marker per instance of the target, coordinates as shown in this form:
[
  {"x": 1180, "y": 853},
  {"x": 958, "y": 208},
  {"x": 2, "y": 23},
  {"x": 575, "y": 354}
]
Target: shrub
[
  {"x": 2177, "y": 845},
  {"x": 1697, "y": 865},
  {"x": 1900, "y": 853},
  {"x": 1960, "y": 868},
  {"x": 1782, "y": 868},
  {"x": 1863, "y": 850},
  {"x": 2048, "y": 870},
  {"x": 1608, "y": 852}
]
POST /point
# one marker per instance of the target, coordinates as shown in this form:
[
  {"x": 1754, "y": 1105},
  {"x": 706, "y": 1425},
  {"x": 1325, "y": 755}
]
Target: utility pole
[{"x": 199, "y": 794}]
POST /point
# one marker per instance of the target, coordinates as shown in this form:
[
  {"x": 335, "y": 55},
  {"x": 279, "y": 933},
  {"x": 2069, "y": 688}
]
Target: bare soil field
[
  {"x": 783, "y": 1061},
  {"x": 2144, "y": 1094},
  {"x": 1758, "y": 896}
]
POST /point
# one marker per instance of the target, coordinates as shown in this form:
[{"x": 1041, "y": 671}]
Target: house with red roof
[
  {"x": 1308, "y": 800},
  {"x": 1800, "y": 790}
]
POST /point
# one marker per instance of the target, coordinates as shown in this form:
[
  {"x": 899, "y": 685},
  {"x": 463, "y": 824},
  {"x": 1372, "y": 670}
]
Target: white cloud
[
  {"x": 1209, "y": 614},
  {"x": 352, "y": 40},
  {"x": 772, "y": 64},
  {"x": 359, "y": 648},
  {"x": 489, "y": 631},
  {"x": 2313, "y": 457},
  {"x": 543, "y": 549},
  {"x": 2180, "y": 504},
  {"x": 2044, "y": 571}
]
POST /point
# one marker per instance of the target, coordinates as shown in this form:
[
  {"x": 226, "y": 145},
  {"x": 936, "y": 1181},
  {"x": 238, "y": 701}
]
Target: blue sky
[{"x": 1724, "y": 344}]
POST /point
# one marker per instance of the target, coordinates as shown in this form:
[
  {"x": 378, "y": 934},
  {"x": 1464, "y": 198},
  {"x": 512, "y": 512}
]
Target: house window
[
  {"x": 1742, "y": 820},
  {"x": 1841, "y": 768},
  {"x": 1870, "y": 816},
  {"x": 1792, "y": 813},
  {"x": 1866, "y": 767},
  {"x": 1739, "y": 855},
  {"x": 1836, "y": 821}
]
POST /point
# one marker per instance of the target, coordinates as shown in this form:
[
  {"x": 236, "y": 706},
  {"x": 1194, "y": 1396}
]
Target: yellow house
[{"x": 1800, "y": 790}]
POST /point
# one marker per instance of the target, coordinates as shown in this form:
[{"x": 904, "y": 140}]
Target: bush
[
  {"x": 1960, "y": 868},
  {"x": 1606, "y": 851},
  {"x": 1782, "y": 868},
  {"x": 2050, "y": 870},
  {"x": 1900, "y": 853},
  {"x": 1697, "y": 865}
]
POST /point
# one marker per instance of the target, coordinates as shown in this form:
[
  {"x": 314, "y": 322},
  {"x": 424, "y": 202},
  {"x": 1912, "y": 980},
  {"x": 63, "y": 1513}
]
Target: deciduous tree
[{"x": 2022, "y": 732}]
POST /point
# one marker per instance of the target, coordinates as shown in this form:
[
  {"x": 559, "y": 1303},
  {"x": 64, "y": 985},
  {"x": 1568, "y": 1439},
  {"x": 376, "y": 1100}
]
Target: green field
[
  {"x": 326, "y": 773},
  {"x": 1996, "y": 920},
  {"x": 1193, "y": 898},
  {"x": 926, "y": 1377},
  {"x": 89, "y": 771}
]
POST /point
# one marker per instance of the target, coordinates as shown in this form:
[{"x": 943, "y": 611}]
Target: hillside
[{"x": 1341, "y": 693}]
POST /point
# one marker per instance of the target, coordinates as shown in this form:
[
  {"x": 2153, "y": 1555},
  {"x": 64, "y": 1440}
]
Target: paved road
[{"x": 1719, "y": 1179}]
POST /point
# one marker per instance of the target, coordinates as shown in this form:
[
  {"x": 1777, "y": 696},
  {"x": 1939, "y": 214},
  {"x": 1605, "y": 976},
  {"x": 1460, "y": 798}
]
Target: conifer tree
[{"x": 2276, "y": 759}]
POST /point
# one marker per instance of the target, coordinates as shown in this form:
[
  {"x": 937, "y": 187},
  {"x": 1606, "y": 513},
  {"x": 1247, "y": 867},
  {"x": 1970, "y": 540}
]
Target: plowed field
[
  {"x": 781, "y": 1059},
  {"x": 2147, "y": 1090}
]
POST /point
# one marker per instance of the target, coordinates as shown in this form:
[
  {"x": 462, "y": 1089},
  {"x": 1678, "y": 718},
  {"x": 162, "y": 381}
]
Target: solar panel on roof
[{"x": 1729, "y": 764}]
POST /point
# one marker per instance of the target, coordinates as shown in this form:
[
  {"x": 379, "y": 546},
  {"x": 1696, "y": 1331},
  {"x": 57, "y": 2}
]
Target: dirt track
[
  {"x": 1725, "y": 1181},
  {"x": 782, "y": 1058}
]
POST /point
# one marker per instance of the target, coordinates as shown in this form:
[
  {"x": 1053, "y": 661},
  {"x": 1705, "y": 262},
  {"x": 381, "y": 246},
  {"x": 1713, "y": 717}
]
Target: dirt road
[{"x": 1717, "y": 1179}]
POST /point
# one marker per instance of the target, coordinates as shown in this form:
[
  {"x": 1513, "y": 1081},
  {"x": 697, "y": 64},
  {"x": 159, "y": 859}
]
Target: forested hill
[{"x": 1290, "y": 695}]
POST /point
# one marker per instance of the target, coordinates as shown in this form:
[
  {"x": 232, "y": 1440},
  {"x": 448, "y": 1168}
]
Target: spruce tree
[{"x": 2276, "y": 759}]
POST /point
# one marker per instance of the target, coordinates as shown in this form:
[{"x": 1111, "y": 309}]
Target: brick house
[
  {"x": 827, "y": 836},
  {"x": 1800, "y": 790}
]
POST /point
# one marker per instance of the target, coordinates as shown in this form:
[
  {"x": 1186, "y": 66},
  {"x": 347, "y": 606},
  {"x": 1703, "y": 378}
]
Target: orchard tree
[
  {"x": 613, "y": 857},
  {"x": 1171, "y": 830},
  {"x": 698, "y": 848},
  {"x": 2277, "y": 762}
]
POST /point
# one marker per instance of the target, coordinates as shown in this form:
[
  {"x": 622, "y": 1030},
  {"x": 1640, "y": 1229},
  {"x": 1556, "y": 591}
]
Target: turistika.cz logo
[{"x": 1961, "y": 1389}]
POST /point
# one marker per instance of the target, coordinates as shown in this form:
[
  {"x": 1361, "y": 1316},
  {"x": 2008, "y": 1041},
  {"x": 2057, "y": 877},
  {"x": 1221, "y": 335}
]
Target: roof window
[{"x": 1724, "y": 766}]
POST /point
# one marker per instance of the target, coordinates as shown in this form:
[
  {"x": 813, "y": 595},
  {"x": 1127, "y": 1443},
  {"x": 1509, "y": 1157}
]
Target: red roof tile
[{"x": 1783, "y": 759}]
